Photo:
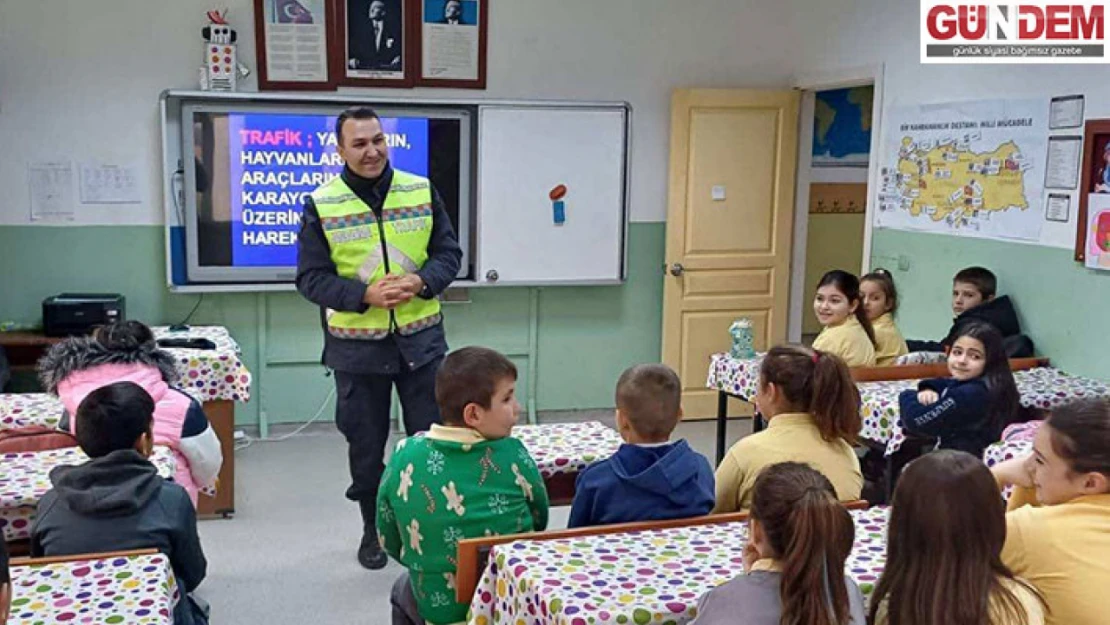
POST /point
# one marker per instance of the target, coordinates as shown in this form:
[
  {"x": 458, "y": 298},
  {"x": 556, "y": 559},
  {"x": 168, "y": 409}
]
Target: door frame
[{"x": 809, "y": 83}]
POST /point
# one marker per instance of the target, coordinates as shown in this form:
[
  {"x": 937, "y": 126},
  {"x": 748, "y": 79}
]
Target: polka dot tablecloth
[
  {"x": 739, "y": 378},
  {"x": 18, "y": 410},
  {"x": 137, "y": 590},
  {"x": 1017, "y": 442},
  {"x": 567, "y": 447},
  {"x": 210, "y": 375},
  {"x": 1043, "y": 387},
  {"x": 25, "y": 478},
  {"x": 635, "y": 578}
]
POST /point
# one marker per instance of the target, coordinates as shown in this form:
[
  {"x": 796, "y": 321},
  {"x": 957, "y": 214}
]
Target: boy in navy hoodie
[{"x": 650, "y": 477}]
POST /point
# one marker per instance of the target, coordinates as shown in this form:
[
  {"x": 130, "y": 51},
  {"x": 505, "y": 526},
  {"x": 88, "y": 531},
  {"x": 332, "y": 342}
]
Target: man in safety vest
[{"x": 375, "y": 249}]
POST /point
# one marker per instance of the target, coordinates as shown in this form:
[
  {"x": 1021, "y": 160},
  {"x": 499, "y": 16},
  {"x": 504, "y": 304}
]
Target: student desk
[
  {"x": 25, "y": 478},
  {"x": 20, "y": 410},
  {"x": 653, "y": 576},
  {"x": 217, "y": 378},
  {"x": 131, "y": 588},
  {"x": 1043, "y": 387}
]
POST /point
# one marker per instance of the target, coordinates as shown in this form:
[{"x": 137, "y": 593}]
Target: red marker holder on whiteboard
[{"x": 558, "y": 206}]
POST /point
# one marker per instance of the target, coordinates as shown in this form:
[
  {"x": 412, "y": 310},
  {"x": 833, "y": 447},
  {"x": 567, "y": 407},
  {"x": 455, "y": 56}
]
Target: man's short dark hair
[
  {"x": 981, "y": 278},
  {"x": 113, "y": 417},
  {"x": 354, "y": 112},
  {"x": 470, "y": 376},
  {"x": 650, "y": 397}
]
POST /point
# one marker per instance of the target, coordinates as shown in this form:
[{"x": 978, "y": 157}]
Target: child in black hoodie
[
  {"x": 974, "y": 300},
  {"x": 968, "y": 410},
  {"x": 117, "y": 501}
]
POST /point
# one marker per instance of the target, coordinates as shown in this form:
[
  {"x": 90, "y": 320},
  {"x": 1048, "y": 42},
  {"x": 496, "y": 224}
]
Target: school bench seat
[{"x": 473, "y": 553}]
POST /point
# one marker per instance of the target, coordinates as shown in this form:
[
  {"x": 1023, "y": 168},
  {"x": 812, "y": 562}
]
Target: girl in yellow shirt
[
  {"x": 847, "y": 332},
  {"x": 944, "y": 542},
  {"x": 812, "y": 411},
  {"x": 880, "y": 303},
  {"x": 1058, "y": 527}
]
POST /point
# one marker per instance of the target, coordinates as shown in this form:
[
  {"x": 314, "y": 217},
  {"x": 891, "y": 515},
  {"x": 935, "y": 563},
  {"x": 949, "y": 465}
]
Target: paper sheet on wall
[
  {"x": 1063, "y": 162},
  {"x": 450, "y": 52},
  {"x": 108, "y": 183},
  {"x": 51, "y": 186},
  {"x": 965, "y": 168}
]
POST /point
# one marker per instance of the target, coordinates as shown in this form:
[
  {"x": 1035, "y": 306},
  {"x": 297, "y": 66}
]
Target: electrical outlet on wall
[{"x": 903, "y": 262}]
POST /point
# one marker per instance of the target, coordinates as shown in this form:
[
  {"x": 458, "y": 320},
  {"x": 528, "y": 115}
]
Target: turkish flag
[{"x": 292, "y": 12}]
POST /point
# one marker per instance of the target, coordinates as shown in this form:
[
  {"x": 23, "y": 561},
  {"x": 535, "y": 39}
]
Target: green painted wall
[
  {"x": 587, "y": 335},
  {"x": 1062, "y": 305}
]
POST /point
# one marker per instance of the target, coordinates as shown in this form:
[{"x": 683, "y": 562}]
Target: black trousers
[{"x": 362, "y": 414}]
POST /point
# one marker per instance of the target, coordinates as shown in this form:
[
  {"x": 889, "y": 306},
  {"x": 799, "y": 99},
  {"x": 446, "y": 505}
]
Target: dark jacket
[
  {"x": 959, "y": 418},
  {"x": 319, "y": 283},
  {"x": 643, "y": 484},
  {"x": 119, "y": 503},
  {"x": 999, "y": 312}
]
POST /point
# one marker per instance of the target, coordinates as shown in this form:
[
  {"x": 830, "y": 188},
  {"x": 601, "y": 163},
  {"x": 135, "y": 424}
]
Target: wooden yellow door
[{"x": 729, "y": 227}]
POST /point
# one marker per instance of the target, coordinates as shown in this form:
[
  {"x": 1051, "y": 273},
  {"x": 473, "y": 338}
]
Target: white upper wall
[
  {"x": 80, "y": 79},
  {"x": 837, "y": 34}
]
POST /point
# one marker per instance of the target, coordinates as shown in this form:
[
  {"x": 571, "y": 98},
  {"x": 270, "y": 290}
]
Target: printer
[{"x": 72, "y": 314}]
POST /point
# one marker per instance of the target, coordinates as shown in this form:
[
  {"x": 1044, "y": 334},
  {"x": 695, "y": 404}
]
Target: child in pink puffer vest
[{"x": 125, "y": 351}]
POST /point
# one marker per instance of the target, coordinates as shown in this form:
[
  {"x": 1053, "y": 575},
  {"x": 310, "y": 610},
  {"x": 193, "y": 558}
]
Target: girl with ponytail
[
  {"x": 812, "y": 408},
  {"x": 799, "y": 537}
]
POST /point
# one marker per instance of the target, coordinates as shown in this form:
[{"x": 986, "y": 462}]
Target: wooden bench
[
  {"x": 107, "y": 555},
  {"x": 473, "y": 553},
  {"x": 935, "y": 370}
]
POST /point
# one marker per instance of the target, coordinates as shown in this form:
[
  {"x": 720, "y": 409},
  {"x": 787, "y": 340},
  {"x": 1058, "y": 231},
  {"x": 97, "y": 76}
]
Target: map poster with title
[{"x": 965, "y": 168}]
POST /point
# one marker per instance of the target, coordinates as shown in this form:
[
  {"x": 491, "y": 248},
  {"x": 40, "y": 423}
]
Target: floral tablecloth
[
  {"x": 567, "y": 447},
  {"x": 1043, "y": 387},
  {"x": 637, "y": 577},
  {"x": 217, "y": 374},
  {"x": 137, "y": 590},
  {"x": 18, "y": 410},
  {"x": 25, "y": 478},
  {"x": 739, "y": 378}
]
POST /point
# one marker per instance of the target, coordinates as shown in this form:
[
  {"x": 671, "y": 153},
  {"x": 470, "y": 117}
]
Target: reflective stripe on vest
[{"x": 354, "y": 235}]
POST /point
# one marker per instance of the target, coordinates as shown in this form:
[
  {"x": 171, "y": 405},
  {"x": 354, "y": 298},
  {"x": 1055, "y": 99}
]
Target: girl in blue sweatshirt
[{"x": 968, "y": 410}]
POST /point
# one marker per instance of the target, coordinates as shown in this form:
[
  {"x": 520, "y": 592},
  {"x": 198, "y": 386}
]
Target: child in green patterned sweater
[{"x": 464, "y": 479}]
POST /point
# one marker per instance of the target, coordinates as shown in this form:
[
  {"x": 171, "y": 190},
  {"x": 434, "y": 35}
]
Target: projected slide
[{"x": 276, "y": 160}]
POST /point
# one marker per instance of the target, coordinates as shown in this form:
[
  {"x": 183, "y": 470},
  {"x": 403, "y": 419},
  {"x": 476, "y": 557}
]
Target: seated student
[
  {"x": 1058, "y": 527},
  {"x": 974, "y": 300},
  {"x": 847, "y": 331},
  {"x": 5, "y": 584},
  {"x": 464, "y": 479},
  {"x": 968, "y": 410},
  {"x": 799, "y": 538},
  {"x": 117, "y": 501},
  {"x": 880, "y": 303},
  {"x": 649, "y": 478},
  {"x": 943, "y": 562},
  {"x": 812, "y": 408},
  {"x": 126, "y": 351}
]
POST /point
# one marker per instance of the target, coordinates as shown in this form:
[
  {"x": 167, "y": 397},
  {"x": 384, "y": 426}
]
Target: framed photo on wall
[
  {"x": 292, "y": 40},
  {"x": 1094, "y": 192},
  {"x": 452, "y": 36},
  {"x": 372, "y": 47}
]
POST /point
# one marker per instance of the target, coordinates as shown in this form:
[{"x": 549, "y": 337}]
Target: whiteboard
[{"x": 526, "y": 151}]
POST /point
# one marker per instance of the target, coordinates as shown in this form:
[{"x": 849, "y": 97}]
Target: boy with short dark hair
[
  {"x": 464, "y": 479},
  {"x": 117, "y": 501},
  {"x": 974, "y": 300},
  {"x": 650, "y": 477}
]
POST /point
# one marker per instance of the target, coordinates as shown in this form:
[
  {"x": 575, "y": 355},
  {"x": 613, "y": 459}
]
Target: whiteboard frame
[
  {"x": 626, "y": 110},
  {"x": 169, "y": 107}
]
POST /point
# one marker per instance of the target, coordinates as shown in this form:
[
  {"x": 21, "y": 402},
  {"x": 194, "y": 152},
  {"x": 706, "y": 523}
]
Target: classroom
[{"x": 442, "y": 311}]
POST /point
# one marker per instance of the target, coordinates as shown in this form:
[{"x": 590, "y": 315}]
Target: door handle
[{"x": 677, "y": 270}]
